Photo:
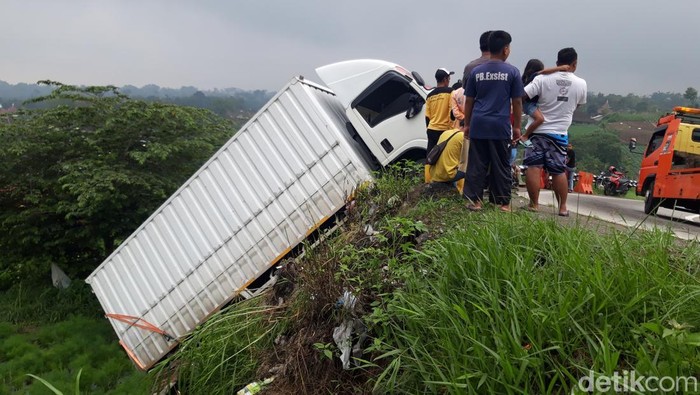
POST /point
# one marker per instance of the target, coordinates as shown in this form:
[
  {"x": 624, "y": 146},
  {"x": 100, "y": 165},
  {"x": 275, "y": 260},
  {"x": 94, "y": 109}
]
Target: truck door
[
  {"x": 391, "y": 111},
  {"x": 650, "y": 161},
  {"x": 665, "y": 159}
]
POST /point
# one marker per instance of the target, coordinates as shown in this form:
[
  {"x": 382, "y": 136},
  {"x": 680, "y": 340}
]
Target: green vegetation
[
  {"x": 691, "y": 95},
  {"x": 458, "y": 302},
  {"x": 523, "y": 306},
  {"x": 32, "y": 304},
  {"x": 56, "y": 352},
  {"x": 54, "y": 334},
  {"x": 596, "y": 148},
  {"x": 79, "y": 177},
  {"x": 657, "y": 102},
  {"x": 220, "y": 357}
]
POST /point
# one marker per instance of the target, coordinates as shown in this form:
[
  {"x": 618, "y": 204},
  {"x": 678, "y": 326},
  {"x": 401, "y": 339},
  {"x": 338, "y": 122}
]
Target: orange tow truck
[{"x": 670, "y": 172}]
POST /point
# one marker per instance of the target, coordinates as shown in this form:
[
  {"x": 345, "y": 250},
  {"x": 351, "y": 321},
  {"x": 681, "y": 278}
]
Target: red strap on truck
[{"x": 140, "y": 323}]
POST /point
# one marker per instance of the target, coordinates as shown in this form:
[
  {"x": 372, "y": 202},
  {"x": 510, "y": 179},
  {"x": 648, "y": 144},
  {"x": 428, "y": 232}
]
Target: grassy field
[
  {"x": 55, "y": 334},
  {"x": 582, "y": 129}
]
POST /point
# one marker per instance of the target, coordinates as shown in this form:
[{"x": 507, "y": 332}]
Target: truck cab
[
  {"x": 670, "y": 171},
  {"x": 384, "y": 103}
]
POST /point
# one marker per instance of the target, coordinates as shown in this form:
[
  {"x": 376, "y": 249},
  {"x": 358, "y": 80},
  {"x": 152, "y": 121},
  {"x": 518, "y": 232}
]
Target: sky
[{"x": 624, "y": 46}]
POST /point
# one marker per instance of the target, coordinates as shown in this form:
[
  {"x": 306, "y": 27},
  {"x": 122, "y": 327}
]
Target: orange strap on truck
[{"x": 140, "y": 323}]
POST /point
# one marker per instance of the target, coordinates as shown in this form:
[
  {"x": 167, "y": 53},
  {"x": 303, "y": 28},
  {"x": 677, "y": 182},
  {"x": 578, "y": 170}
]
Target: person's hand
[
  {"x": 465, "y": 129},
  {"x": 565, "y": 67},
  {"x": 516, "y": 135}
]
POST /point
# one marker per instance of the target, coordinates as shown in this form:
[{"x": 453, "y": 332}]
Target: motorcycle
[
  {"x": 600, "y": 180},
  {"x": 616, "y": 183}
]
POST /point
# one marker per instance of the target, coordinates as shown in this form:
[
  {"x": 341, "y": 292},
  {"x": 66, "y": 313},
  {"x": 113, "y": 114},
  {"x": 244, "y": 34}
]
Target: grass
[
  {"x": 54, "y": 334},
  {"x": 581, "y": 129},
  {"x": 452, "y": 302},
  {"x": 457, "y": 302},
  {"x": 36, "y": 304},
  {"x": 220, "y": 356},
  {"x": 57, "y": 352},
  {"x": 515, "y": 305}
]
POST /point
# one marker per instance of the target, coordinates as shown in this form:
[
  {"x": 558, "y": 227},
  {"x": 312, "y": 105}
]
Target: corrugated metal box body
[{"x": 278, "y": 178}]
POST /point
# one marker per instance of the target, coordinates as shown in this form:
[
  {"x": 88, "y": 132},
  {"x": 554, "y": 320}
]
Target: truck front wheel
[{"x": 651, "y": 204}]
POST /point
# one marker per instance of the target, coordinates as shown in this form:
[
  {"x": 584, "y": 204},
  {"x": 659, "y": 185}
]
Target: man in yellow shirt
[
  {"x": 445, "y": 170},
  {"x": 437, "y": 110}
]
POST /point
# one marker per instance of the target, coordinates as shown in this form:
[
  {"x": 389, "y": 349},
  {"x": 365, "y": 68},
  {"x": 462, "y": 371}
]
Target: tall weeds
[
  {"x": 220, "y": 357},
  {"x": 509, "y": 304}
]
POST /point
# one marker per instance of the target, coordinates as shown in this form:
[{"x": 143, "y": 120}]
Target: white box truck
[{"x": 284, "y": 174}]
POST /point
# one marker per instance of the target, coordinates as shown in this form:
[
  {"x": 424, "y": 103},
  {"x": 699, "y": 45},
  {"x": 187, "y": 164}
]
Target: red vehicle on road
[{"x": 670, "y": 172}]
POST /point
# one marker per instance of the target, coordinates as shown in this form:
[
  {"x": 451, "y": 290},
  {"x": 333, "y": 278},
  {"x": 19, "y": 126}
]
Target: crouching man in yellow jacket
[{"x": 451, "y": 165}]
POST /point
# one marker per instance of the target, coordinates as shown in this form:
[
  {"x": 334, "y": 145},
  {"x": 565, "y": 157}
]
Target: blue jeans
[
  {"x": 570, "y": 177},
  {"x": 529, "y": 107}
]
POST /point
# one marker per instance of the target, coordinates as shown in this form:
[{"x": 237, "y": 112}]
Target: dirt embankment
[{"x": 641, "y": 130}]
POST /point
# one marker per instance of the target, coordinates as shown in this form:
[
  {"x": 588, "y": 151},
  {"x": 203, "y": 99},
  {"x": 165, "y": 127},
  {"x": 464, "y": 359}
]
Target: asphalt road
[{"x": 627, "y": 212}]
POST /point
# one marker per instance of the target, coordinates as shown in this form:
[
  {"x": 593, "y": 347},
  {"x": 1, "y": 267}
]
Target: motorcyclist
[{"x": 616, "y": 182}]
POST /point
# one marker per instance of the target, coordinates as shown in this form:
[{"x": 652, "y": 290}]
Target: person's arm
[
  {"x": 537, "y": 120},
  {"x": 428, "y": 113},
  {"x": 457, "y": 109},
  {"x": 465, "y": 77},
  {"x": 531, "y": 90},
  {"x": 517, "y": 117},
  {"x": 584, "y": 95},
  {"x": 550, "y": 70},
  {"x": 468, "y": 106}
]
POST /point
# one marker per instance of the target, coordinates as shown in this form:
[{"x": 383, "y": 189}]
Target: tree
[
  {"x": 691, "y": 94},
  {"x": 77, "y": 178},
  {"x": 597, "y": 151}
]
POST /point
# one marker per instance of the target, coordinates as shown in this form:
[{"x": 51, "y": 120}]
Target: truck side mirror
[
  {"x": 633, "y": 144},
  {"x": 419, "y": 79},
  {"x": 415, "y": 105}
]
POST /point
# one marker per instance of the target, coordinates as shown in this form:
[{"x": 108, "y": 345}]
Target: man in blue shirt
[{"x": 493, "y": 88}]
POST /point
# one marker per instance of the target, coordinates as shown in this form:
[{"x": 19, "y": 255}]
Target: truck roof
[{"x": 349, "y": 78}]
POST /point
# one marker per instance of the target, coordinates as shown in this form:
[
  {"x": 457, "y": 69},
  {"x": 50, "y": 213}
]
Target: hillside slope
[{"x": 441, "y": 300}]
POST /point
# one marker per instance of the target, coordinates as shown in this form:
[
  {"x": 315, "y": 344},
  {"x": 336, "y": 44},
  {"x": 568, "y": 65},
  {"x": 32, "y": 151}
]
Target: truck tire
[{"x": 651, "y": 204}]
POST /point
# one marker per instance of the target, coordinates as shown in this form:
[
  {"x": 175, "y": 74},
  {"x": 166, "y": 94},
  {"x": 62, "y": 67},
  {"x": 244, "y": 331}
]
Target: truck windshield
[
  {"x": 655, "y": 141},
  {"x": 388, "y": 96}
]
